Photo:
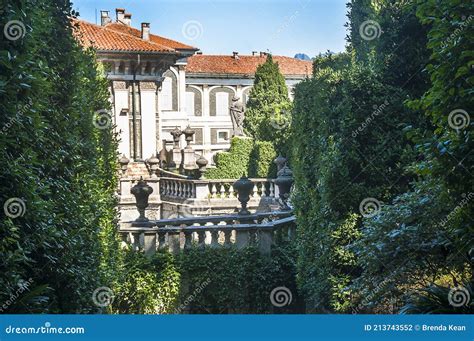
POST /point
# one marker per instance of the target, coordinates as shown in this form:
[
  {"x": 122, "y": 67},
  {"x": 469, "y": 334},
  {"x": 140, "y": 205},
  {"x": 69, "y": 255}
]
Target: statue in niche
[{"x": 237, "y": 116}]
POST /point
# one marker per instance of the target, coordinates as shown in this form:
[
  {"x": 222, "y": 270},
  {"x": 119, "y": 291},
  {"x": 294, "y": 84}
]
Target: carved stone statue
[{"x": 237, "y": 116}]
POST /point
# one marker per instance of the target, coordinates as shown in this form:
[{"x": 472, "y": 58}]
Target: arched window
[
  {"x": 220, "y": 101},
  {"x": 168, "y": 96},
  {"x": 193, "y": 101}
]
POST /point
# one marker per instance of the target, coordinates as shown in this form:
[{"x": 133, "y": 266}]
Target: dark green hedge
[
  {"x": 208, "y": 280},
  {"x": 56, "y": 162}
]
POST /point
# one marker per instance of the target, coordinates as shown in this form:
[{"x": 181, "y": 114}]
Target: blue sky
[{"x": 282, "y": 27}]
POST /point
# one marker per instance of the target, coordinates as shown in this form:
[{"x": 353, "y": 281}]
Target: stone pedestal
[
  {"x": 176, "y": 158},
  {"x": 189, "y": 160}
]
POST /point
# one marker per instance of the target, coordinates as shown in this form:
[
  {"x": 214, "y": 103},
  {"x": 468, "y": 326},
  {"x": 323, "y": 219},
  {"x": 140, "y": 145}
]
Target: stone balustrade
[
  {"x": 224, "y": 188},
  {"x": 175, "y": 197},
  {"x": 213, "y": 189},
  {"x": 261, "y": 230}
]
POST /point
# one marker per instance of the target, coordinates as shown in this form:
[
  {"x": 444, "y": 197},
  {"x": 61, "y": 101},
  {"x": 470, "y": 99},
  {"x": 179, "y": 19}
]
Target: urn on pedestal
[
  {"x": 244, "y": 187},
  {"x": 141, "y": 191}
]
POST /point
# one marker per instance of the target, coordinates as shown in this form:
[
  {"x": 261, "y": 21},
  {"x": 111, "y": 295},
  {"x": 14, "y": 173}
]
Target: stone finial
[{"x": 124, "y": 163}]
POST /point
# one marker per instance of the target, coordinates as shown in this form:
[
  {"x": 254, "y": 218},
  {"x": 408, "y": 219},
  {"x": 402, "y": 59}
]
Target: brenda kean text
[{"x": 416, "y": 327}]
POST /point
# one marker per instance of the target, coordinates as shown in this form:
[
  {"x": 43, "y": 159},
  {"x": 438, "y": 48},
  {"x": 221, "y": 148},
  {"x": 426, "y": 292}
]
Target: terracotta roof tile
[
  {"x": 245, "y": 65},
  {"x": 119, "y": 27},
  {"x": 113, "y": 38}
]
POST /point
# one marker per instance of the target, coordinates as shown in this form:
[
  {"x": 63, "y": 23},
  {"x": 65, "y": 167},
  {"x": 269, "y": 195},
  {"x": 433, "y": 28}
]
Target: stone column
[
  {"x": 122, "y": 120},
  {"x": 205, "y": 101},
  {"x": 148, "y": 112},
  {"x": 181, "y": 88}
]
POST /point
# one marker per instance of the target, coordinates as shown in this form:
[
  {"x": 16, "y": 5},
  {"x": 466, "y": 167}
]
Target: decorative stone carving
[
  {"x": 120, "y": 85},
  {"x": 237, "y": 116},
  {"x": 148, "y": 86}
]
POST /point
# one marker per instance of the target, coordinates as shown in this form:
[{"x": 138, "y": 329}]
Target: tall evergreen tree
[{"x": 268, "y": 111}]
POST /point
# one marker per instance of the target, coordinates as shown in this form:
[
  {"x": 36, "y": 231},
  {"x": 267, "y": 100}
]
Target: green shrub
[
  {"x": 207, "y": 280},
  {"x": 147, "y": 285},
  {"x": 261, "y": 161},
  {"x": 56, "y": 162},
  {"x": 234, "y": 163}
]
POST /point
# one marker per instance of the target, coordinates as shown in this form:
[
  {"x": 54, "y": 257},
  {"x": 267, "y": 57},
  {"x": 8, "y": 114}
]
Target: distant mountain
[{"x": 302, "y": 56}]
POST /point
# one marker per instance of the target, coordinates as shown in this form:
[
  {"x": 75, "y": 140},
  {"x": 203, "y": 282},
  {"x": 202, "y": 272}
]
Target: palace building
[{"x": 157, "y": 84}]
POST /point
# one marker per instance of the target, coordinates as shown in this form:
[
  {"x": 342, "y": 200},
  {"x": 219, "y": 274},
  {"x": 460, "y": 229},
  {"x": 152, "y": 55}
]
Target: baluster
[
  {"x": 222, "y": 191},
  {"x": 227, "y": 236},
  {"x": 187, "y": 190},
  {"x": 272, "y": 190},
  {"x": 255, "y": 190},
  {"x": 264, "y": 189},
  {"x": 201, "y": 237},
  {"x": 213, "y": 191},
  {"x": 214, "y": 238},
  {"x": 161, "y": 240},
  {"x": 231, "y": 191},
  {"x": 188, "y": 239}
]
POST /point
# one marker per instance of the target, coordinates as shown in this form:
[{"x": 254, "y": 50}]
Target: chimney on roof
[
  {"x": 235, "y": 55},
  {"x": 119, "y": 13},
  {"x": 127, "y": 19},
  {"x": 254, "y": 53},
  {"x": 263, "y": 54},
  {"x": 199, "y": 52},
  {"x": 104, "y": 18},
  {"x": 145, "y": 30}
]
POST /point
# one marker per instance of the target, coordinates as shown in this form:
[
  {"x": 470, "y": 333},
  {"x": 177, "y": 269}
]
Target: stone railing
[
  {"x": 224, "y": 188},
  {"x": 177, "y": 188},
  {"x": 261, "y": 230},
  {"x": 213, "y": 189}
]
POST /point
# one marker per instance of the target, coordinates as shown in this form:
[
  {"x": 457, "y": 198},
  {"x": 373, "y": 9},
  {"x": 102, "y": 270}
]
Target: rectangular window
[
  {"x": 222, "y": 104},
  {"x": 166, "y": 94},
  {"x": 190, "y": 103},
  {"x": 222, "y": 136}
]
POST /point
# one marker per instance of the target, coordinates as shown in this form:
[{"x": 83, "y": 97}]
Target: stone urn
[
  {"x": 280, "y": 161},
  {"x": 244, "y": 187},
  {"x": 284, "y": 181},
  {"x": 176, "y": 133},
  {"x": 154, "y": 164},
  {"x": 201, "y": 163},
  {"x": 124, "y": 163},
  {"x": 141, "y": 191},
  {"x": 188, "y": 136}
]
